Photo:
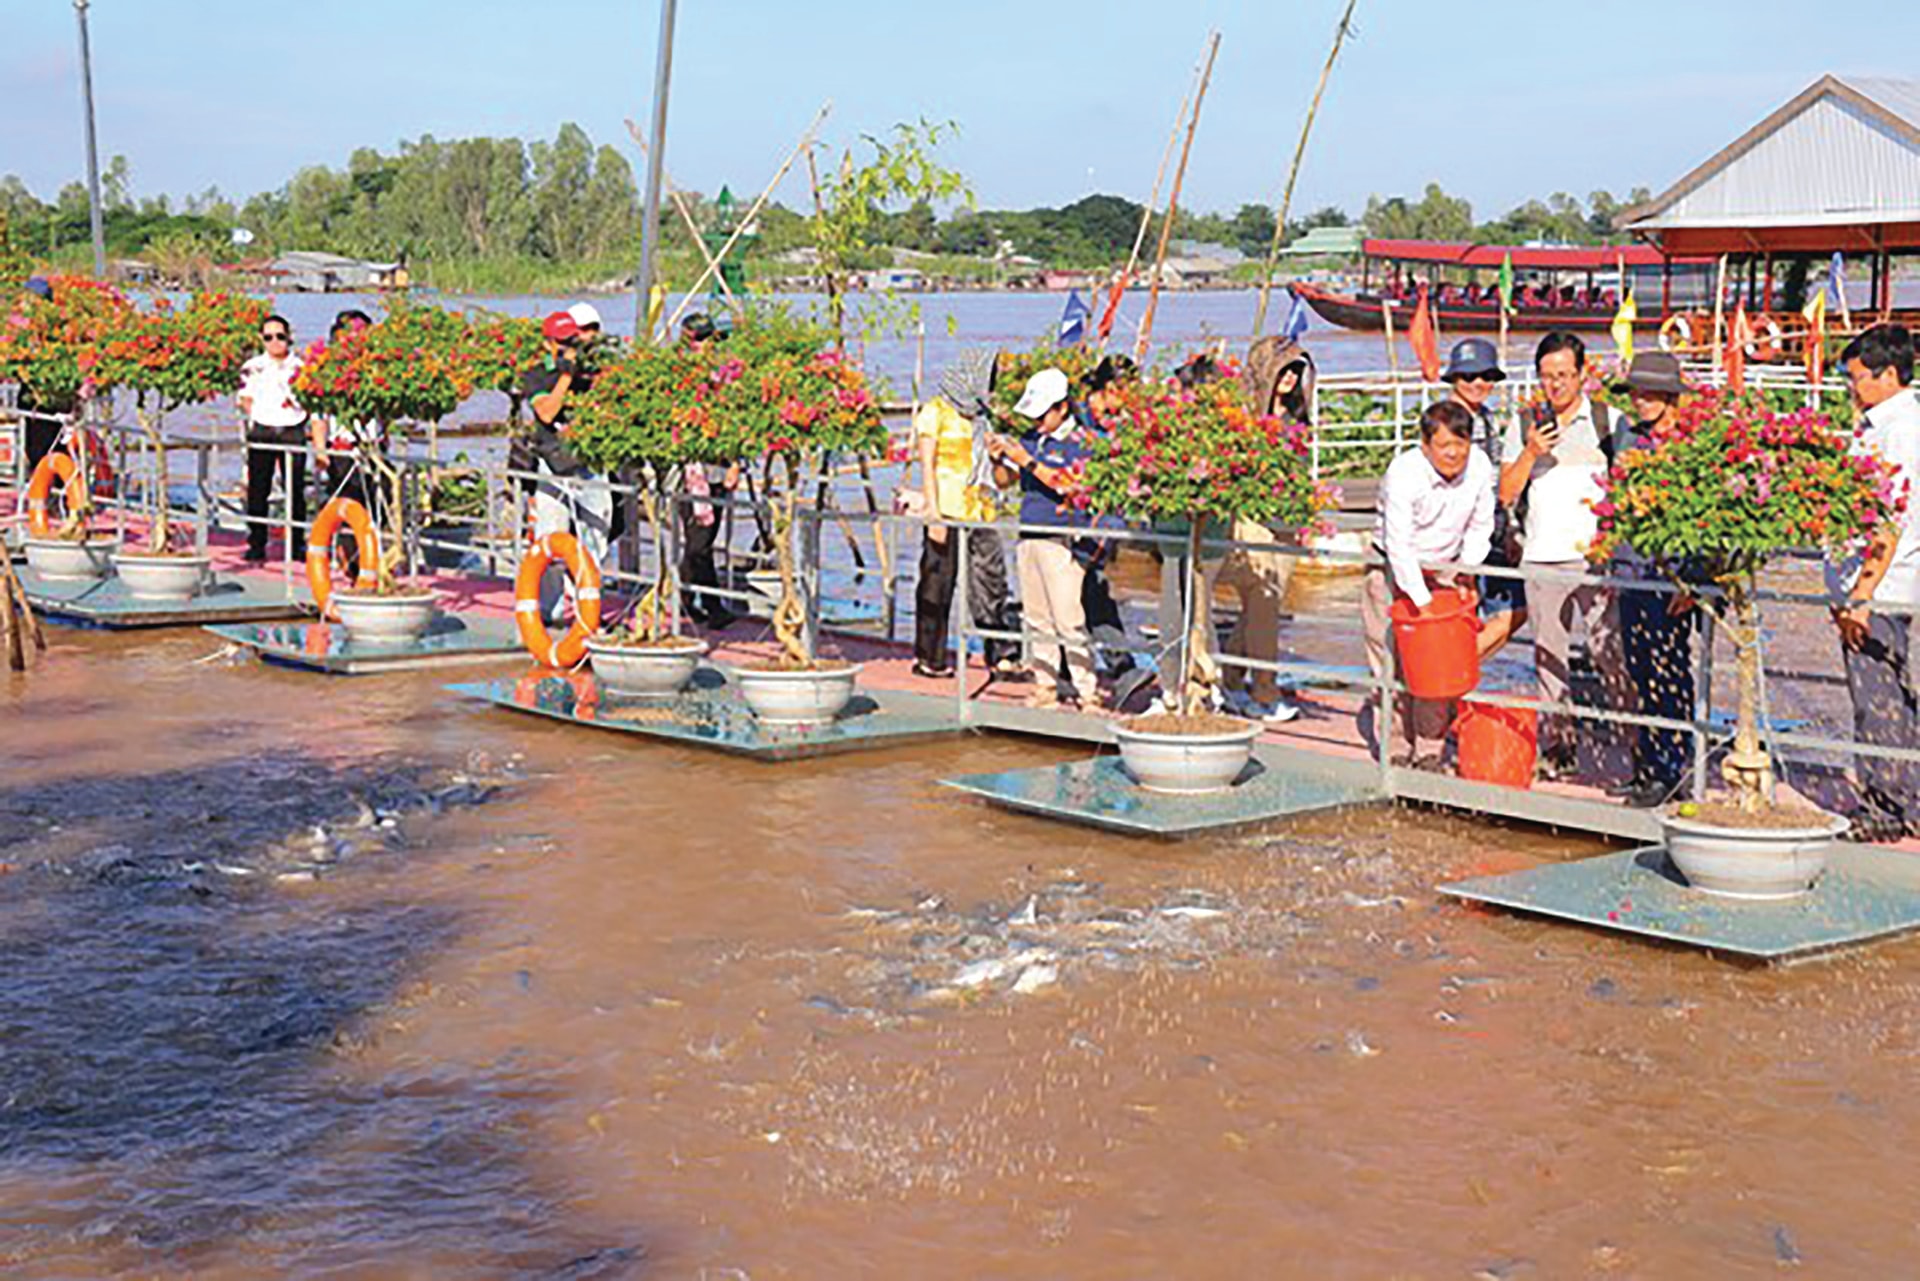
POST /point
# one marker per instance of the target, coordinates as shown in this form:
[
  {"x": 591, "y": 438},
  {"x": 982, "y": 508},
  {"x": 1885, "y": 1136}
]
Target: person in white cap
[
  {"x": 587, "y": 316},
  {"x": 1048, "y": 460}
]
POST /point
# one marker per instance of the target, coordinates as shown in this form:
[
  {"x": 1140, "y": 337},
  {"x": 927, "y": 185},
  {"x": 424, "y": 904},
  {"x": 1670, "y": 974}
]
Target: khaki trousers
[
  {"x": 1554, "y": 608},
  {"x": 1420, "y": 725},
  {"x": 1260, "y": 579},
  {"x": 1052, "y": 613}
]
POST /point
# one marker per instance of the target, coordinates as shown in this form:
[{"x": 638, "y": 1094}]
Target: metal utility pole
[
  {"x": 93, "y": 151},
  {"x": 656, "y": 175}
]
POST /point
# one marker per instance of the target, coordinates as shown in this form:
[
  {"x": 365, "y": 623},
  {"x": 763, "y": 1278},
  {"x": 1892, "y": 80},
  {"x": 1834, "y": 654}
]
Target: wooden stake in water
[
  {"x": 1173, "y": 204},
  {"x": 1293, "y": 173}
]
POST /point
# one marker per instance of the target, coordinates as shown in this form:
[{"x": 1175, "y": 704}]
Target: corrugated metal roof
[{"x": 1844, "y": 152}]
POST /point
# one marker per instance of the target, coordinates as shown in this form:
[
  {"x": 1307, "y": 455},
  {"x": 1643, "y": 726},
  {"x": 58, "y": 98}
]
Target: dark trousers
[
  {"x": 1103, "y": 618},
  {"x": 1659, "y": 650},
  {"x": 697, "y": 568},
  {"x": 262, "y": 466},
  {"x": 1885, "y": 714},
  {"x": 986, "y": 594},
  {"x": 344, "y": 480},
  {"x": 41, "y": 433}
]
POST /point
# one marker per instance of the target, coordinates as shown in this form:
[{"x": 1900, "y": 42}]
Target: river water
[{"x": 349, "y": 978}]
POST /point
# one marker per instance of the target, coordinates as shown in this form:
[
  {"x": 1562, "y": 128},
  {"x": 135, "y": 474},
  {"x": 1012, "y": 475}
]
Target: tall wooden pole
[
  {"x": 1340, "y": 34},
  {"x": 1173, "y": 203},
  {"x": 656, "y": 174},
  {"x": 1153, "y": 199}
]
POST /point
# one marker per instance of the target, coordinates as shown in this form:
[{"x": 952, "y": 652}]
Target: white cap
[
  {"x": 584, "y": 314},
  {"x": 1044, "y": 390}
]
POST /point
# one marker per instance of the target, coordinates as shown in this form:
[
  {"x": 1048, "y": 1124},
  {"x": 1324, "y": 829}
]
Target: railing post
[
  {"x": 961, "y": 605},
  {"x": 200, "y": 512},
  {"x": 810, "y": 544},
  {"x": 1703, "y": 702}
]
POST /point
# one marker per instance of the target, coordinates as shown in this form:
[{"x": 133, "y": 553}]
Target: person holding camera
[
  {"x": 1557, "y": 459},
  {"x": 565, "y": 494}
]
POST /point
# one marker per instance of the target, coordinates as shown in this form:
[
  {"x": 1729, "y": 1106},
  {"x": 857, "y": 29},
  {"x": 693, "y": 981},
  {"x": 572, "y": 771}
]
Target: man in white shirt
[
  {"x": 1436, "y": 505},
  {"x": 1557, "y": 458},
  {"x": 276, "y": 438},
  {"x": 1874, "y": 640}
]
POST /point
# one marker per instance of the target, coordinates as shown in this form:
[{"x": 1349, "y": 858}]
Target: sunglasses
[{"x": 277, "y": 337}]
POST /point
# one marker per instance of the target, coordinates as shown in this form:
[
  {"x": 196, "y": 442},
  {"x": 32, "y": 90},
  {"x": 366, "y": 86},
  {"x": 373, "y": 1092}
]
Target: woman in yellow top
[{"x": 956, "y": 484}]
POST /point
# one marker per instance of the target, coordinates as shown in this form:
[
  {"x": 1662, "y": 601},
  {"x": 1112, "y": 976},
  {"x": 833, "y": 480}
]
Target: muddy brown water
[{"x": 534, "y": 1002}]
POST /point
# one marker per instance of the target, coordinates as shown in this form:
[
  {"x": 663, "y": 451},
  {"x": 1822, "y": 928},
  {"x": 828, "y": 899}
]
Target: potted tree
[
  {"x": 169, "y": 358},
  {"x": 654, "y": 410},
  {"x": 413, "y": 367},
  {"x": 796, "y": 400},
  {"x": 1195, "y": 458},
  {"x": 1728, "y": 487},
  {"x": 47, "y": 348}
]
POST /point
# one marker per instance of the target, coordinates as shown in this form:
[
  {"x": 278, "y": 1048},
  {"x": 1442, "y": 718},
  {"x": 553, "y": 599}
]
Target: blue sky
[{"x": 1497, "y": 100}]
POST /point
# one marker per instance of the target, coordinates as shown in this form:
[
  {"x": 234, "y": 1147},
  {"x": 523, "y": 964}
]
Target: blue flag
[
  {"x": 1297, "y": 319},
  {"x": 1837, "y": 279},
  {"x": 1073, "y": 321}
]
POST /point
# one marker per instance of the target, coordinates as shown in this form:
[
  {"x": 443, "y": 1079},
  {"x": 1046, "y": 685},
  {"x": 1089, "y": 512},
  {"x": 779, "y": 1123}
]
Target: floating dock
[
  {"x": 106, "y": 602},
  {"x": 453, "y": 640}
]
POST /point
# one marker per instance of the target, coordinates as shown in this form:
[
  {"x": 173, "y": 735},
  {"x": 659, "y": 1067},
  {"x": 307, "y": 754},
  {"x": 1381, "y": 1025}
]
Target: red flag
[
  {"x": 1112, "y": 308},
  {"x": 1426, "y": 343},
  {"x": 1739, "y": 339}
]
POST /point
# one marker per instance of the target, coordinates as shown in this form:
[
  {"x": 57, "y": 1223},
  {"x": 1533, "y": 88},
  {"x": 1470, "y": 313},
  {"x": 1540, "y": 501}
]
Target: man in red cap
[{"x": 565, "y": 494}]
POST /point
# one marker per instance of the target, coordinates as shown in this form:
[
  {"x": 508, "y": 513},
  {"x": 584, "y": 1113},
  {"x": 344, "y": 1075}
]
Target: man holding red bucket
[{"x": 1436, "y": 506}]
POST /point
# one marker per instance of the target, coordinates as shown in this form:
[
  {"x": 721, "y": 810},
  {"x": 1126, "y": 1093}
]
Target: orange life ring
[
  {"x": 320, "y": 547},
  {"x": 572, "y": 647},
  {"x": 53, "y": 467},
  {"x": 1769, "y": 339},
  {"x": 1676, "y": 333}
]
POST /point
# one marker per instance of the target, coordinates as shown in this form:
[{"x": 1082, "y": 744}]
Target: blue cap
[
  {"x": 39, "y": 285},
  {"x": 1471, "y": 357}
]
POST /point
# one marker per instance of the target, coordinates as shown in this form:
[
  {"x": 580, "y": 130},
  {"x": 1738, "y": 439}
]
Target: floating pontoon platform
[
  {"x": 106, "y": 602},
  {"x": 453, "y": 640},
  {"x": 710, "y": 714},
  {"x": 1100, "y": 793},
  {"x": 1866, "y": 894}
]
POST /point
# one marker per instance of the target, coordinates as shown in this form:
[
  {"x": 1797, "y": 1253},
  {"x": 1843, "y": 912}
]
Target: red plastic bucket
[
  {"x": 1439, "y": 650},
  {"x": 1498, "y": 744}
]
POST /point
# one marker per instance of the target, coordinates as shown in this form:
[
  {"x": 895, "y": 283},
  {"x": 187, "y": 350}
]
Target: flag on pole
[
  {"x": 1297, "y": 319},
  {"x": 1073, "y": 320},
  {"x": 1112, "y": 309},
  {"x": 1816, "y": 313},
  {"x": 1837, "y": 281},
  {"x": 1623, "y": 328},
  {"x": 1506, "y": 283},
  {"x": 1739, "y": 338},
  {"x": 1425, "y": 341}
]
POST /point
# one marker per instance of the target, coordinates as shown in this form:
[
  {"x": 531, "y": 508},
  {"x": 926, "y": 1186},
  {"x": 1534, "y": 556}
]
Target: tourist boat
[{"x": 1555, "y": 286}]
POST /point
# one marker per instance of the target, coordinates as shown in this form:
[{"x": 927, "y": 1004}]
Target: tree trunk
[
  {"x": 1747, "y": 769},
  {"x": 789, "y": 619},
  {"x": 160, "y": 532},
  {"x": 1196, "y": 584}
]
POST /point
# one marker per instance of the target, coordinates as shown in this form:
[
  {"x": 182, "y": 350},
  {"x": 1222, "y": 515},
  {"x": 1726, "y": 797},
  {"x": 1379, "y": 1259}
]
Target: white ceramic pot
[
  {"x": 644, "y": 671},
  {"x": 1745, "y": 862},
  {"x": 384, "y": 620},
  {"x": 798, "y": 698},
  {"x": 162, "y": 577},
  {"x": 1186, "y": 764},
  {"x": 63, "y": 560}
]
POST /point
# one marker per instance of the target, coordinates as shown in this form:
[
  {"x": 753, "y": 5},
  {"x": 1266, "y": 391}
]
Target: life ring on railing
[
  {"x": 339, "y": 511},
  {"x": 1677, "y": 333},
  {"x": 52, "y": 468},
  {"x": 1769, "y": 339},
  {"x": 572, "y": 647}
]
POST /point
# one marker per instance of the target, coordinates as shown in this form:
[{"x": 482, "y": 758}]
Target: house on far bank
[
  {"x": 896, "y": 279},
  {"x": 311, "y": 271},
  {"x": 1326, "y": 242},
  {"x": 1193, "y": 273}
]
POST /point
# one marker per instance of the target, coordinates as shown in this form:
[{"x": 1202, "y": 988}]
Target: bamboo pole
[
  {"x": 804, "y": 145},
  {"x": 1173, "y": 203},
  {"x": 1719, "y": 315},
  {"x": 1153, "y": 200},
  {"x": 686, "y": 215},
  {"x": 1340, "y": 34}
]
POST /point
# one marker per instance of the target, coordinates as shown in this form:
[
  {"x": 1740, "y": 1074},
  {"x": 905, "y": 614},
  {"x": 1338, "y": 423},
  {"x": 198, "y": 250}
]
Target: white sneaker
[{"x": 1278, "y": 712}]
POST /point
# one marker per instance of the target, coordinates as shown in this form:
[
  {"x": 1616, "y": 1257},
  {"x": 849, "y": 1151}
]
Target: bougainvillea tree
[
  {"x": 171, "y": 356},
  {"x": 1197, "y": 456},
  {"x": 413, "y": 367},
  {"x": 1729, "y": 486}
]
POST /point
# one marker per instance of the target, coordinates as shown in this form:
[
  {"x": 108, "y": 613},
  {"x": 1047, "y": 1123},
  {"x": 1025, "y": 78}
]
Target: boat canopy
[{"x": 1452, "y": 253}]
